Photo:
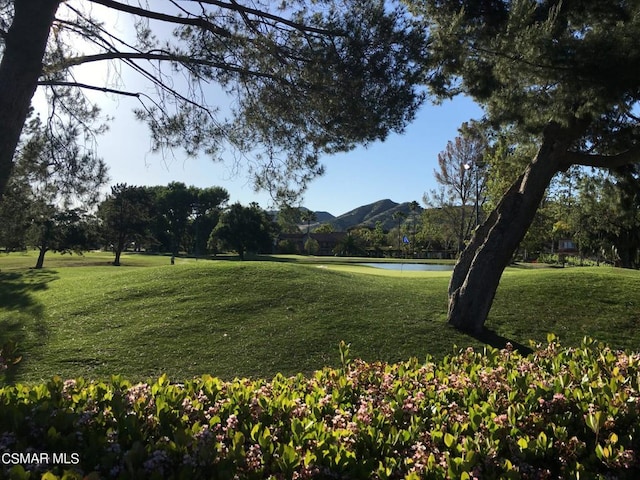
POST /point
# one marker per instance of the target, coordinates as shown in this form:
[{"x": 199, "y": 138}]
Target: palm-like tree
[{"x": 399, "y": 216}]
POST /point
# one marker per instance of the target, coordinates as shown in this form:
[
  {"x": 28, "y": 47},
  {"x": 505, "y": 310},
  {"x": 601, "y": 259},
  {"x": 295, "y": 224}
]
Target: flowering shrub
[{"x": 557, "y": 413}]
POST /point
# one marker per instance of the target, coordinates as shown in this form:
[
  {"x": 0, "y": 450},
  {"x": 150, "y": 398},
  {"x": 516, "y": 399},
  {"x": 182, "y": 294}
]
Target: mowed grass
[{"x": 257, "y": 318}]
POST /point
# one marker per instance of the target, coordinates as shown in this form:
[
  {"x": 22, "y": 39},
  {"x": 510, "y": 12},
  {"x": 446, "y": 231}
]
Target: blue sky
[{"x": 401, "y": 168}]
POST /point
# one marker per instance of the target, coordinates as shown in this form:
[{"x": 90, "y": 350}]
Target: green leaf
[
  {"x": 511, "y": 414},
  {"x": 449, "y": 439},
  {"x": 476, "y": 421},
  {"x": 18, "y": 472},
  {"x": 599, "y": 452},
  {"x": 310, "y": 458},
  {"x": 595, "y": 421},
  {"x": 542, "y": 441},
  {"x": 289, "y": 456},
  {"x": 237, "y": 444},
  {"x": 254, "y": 432},
  {"x": 265, "y": 440}
]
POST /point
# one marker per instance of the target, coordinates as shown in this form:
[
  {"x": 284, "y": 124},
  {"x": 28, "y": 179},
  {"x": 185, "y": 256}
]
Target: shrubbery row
[{"x": 557, "y": 413}]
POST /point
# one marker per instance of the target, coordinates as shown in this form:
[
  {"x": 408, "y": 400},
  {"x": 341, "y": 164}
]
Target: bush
[
  {"x": 287, "y": 247},
  {"x": 572, "y": 261},
  {"x": 311, "y": 246},
  {"x": 558, "y": 413}
]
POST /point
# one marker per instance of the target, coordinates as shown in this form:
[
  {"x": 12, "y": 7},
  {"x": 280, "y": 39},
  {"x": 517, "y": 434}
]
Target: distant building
[
  {"x": 327, "y": 242},
  {"x": 566, "y": 245}
]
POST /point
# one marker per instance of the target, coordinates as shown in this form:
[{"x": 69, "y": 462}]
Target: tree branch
[
  {"x": 160, "y": 55},
  {"x": 602, "y": 161},
  {"x": 164, "y": 17},
  {"x": 276, "y": 18},
  {"x": 53, "y": 83},
  {"x": 204, "y": 24}
]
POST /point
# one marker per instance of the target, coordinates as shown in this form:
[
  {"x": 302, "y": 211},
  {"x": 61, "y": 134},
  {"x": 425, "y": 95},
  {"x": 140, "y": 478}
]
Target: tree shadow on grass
[
  {"x": 16, "y": 290},
  {"x": 493, "y": 339},
  {"x": 16, "y": 295}
]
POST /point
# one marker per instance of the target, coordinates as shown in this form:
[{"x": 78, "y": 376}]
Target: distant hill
[
  {"x": 321, "y": 217},
  {"x": 364, "y": 216},
  {"x": 368, "y": 215},
  {"x": 324, "y": 217}
]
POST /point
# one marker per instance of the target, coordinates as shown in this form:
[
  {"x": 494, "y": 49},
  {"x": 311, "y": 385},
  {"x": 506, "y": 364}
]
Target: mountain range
[{"x": 366, "y": 216}]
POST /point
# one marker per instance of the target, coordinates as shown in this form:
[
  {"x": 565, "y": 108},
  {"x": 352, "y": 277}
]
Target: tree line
[
  {"x": 597, "y": 211},
  {"x": 54, "y": 188},
  {"x": 48, "y": 201},
  {"x": 169, "y": 219}
]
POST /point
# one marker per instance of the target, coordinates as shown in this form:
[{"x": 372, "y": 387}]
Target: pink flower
[
  {"x": 254, "y": 457},
  {"x": 232, "y": 422},
  {"x": 500, "y": 419}
]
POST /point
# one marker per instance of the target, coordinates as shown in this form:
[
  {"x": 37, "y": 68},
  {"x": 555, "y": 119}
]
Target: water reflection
[{"x": 411, "y": 267}]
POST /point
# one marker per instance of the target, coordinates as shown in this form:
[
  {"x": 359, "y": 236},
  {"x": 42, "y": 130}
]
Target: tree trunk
[
  {"x": 627, "y": 246},
  {"x": 461, "y": 229},
  {"x": 116, "y": 261},
  {"x": 20, "y": 69},
  {"x": 40, "y": 261},
  {"x": 477, "y": 273}
]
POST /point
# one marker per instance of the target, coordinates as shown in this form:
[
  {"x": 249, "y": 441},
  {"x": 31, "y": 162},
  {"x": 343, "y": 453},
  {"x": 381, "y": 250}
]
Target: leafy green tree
[
  {"x": 287, "y": 246},
  {"x": 311, "y": 246},
  {"x": 400, "y": 217},
  {"x": 59, "y": 230},
  {"x": 174, "y": 205},
  {"x": 624, "y": 187},
  {"x": 438, "y": 232},
  {"x": 378, "y": 236},
  {"x": 539, "y": 237},
  {"x": 414, "y": 207},
  {"x": 350, "y": 245},
  {"x": 183, "y": 217},
  {"x": 607, "y": 216},
  {"x": 289, "y": 218},
  {"x": 362, "y": 236},
  {"x": 563, "y": 73},
  {"x": 308, "y": 217},
  {"x": 506, "y": 156},
  {"x": 52, "y": 174},
  {"x": 590, "y": 222},
  {"x": 244, "y": 229},
  {"x": 279, "y": 62},
  {"x": 324, "y": 228},
  {"x": 14, "y": 216},
  {"x": 206, "y": 214},
  {"x": 125, "y": 216}
]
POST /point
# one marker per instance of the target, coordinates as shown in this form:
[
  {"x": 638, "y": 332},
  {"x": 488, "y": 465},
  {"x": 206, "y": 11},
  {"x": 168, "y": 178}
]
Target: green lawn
[{"x": 82, "y": 317}]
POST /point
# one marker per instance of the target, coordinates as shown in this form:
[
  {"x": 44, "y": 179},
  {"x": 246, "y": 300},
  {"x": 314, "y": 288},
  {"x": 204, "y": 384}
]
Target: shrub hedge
[{"x": 557, "y": 413}]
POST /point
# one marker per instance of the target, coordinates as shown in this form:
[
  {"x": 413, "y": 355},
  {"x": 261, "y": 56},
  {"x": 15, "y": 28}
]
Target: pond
[{"x": 411, "y": 267}]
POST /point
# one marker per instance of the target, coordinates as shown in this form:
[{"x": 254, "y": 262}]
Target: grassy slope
[{"x": 258, "y": 318}]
